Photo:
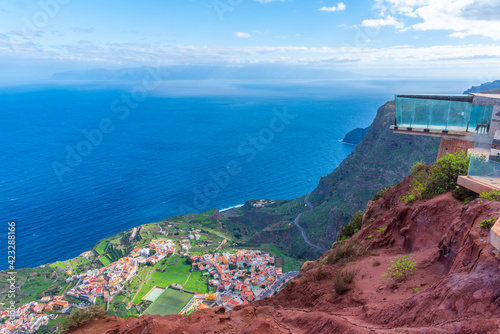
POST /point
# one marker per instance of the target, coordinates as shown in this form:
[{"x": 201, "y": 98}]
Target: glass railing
[
  {"x": 484, "y": 170},
  {"x": 442, "y": 112}
]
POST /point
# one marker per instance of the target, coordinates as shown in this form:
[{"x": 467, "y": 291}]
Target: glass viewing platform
[
  {"x": 484, "y": 170},
  {"x": 442, "y": 112}
]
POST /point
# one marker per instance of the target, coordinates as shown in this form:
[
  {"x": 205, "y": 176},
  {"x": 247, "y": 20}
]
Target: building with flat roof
[{"x": 468, "y": 123}]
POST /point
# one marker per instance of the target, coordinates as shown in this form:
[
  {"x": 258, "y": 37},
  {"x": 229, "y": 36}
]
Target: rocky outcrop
[
  {"x": 484, "y": 87},
  {"x": 382, "y": 158},
  {"x": 355, "y": 136},
  {"x": 454, "y": 289}
]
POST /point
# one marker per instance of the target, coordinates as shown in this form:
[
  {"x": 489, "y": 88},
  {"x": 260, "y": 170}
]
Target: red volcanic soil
[{"x": 454, "y": 289}]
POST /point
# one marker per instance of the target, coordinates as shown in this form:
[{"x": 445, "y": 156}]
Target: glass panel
[
  {"x": 458, "y": 115},
  {"x": 485, "y": 171},
  {"x": 442, "y": 113},
  {"x": 439, "y": 114},
  {"x": 423, "y": 110},
  {"x": 408, "y": 108}
]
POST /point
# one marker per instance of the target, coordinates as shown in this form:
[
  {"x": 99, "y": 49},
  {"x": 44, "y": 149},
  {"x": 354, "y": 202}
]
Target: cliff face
[
  {"x": 455, "y": 287},
  {"x": 484, "y": 87},
  {"x": 355, "y": 136},
  {"x": 381, "y": 159}
]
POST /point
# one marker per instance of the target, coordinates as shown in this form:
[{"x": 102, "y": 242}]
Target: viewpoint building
[{"x": 468, "y": 123}]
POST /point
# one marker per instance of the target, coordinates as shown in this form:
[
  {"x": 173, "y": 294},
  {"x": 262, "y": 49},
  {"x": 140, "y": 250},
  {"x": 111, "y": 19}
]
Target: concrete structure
[{"x": 465, "y": 123}]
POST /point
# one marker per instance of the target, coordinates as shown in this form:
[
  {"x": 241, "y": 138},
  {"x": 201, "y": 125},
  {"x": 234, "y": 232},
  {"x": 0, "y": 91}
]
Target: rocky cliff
[
  {"x": 355, "y": 136},
  {"x": 454, "y": 288},
  {"x": 381, "y": 159},
  {"x": 493, "y": 85}
]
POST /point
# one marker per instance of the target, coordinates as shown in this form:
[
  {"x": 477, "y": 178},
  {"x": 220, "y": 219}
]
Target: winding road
[{"x": 302, "y": 231}]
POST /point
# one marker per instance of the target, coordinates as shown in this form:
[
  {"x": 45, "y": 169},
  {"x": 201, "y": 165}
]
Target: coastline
[
  {"x": 347, "y": 143},
  {"x": 231, "y": 207}
]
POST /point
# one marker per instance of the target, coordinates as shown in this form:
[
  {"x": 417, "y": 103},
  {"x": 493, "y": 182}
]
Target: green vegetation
[
  {"x": 81, "y": 316},
  {"x": 352, "y": 227},
  {"x": 446, "y": 172},
  {"x": 197, "y": 282},
  {"x": 52, "y": 325},
  {"x": 463, "y": 194},
  {"x": 487, "y": 223},
  {"x": 382, "y": 229},
  {"x": 342, "y": 251},
  {"x": 174, "y": 273},
  {"x": 120, "y": 310},
  {"x": 409, "y": 198},
  {"x": 36, "y": 283},
  {"x": 378, "y": 195},
  {"x": 417, "y": 166},
  {"x": 493, "y": 195},
  {"x": 101, "y": 247},
  {"x": 170, "y": 302},
  {"x": 401, "y": 268},
  {"x": 344, "y": 279},
  {"x": 289, "y": 263},
  {"x": 430, "y": 181},
  {"x": 58, "y": 265},
  {"x": 104, "y": 260},
  {"x": 381, "y": 159}
]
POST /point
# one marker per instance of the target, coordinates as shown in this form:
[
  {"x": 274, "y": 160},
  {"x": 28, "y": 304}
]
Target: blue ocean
[{"x": 84, "y": 160}]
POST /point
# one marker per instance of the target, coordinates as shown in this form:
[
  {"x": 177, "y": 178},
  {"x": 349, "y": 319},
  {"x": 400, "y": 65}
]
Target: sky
[{"x": 421, "y": 38}]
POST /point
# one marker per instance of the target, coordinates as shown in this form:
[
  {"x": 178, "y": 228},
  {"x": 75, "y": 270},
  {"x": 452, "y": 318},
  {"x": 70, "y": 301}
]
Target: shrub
[
  {"x": 401, "y": 268},
  {"x": 344, "y": 279},
  {"x": 463, "y": 194},
  {"x": 445, "y": 173},
  {"x": 378, "y": 195},
  {"x": 417, "y": 166},
  {"x": 342, "y": 251},
  {"x": 352, "y": 227},
  {"x": 493, "y": 195},
  {"x": 409, "y": 198},
  {"x": 430, "y": 181},
  {"x": 82, "y": 316},
  {"x": 487, "y": 223}
]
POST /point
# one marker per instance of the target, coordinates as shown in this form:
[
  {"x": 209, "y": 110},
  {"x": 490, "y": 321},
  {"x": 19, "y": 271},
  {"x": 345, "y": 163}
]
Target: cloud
[
  {"x": 384, "y": 22},
  {"x": 240, "y": 34},
  {"x": 462, "y": 18},
  {"x": 391, "y": 60},
  {"x": 338, "y": 8}
]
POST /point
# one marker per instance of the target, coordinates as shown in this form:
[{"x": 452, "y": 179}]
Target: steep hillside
[
  {"x": 484, "y": 87},
  {"x": 382, "y": 158},
  {"x": 454, "y": 287},
  {"x": 355, "y": 136}
]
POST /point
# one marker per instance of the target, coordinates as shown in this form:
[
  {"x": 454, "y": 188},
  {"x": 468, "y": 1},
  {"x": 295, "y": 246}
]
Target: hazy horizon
[{"x": 370, "y": 37}]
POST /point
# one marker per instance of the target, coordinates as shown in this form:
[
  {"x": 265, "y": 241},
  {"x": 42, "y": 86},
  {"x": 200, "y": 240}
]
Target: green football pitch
[{"x": 170, "y": 302}]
